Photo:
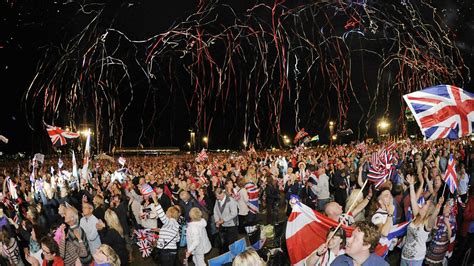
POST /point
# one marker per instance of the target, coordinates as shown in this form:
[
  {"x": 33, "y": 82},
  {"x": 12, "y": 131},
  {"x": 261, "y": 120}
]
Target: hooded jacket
[{"x": 196, "y": 238}]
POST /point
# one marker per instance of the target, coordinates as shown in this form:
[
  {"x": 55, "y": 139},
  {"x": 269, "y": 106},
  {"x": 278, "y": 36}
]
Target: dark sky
[{"x": 28, "y": 27}]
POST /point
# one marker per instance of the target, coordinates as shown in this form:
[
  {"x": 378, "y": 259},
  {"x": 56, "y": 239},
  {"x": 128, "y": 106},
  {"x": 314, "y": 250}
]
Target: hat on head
[{"x": 146, "y": 190}]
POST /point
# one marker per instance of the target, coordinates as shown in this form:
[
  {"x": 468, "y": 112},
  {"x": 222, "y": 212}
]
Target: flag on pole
[
  {"x": 381, "y": 165},
  {"x": 87, "y": 153},
  {"x": 385, "y": 243},
  {"x": 306, "y": 230},
  {"x": 301, "y": 134},
  {"x": 450, "y": 177},
  {"x": 315, "y": 138},
  {"x": 442, "y": 111},
  {"x": 122, "y": 161},
  {"x": 57, "y": 134},
  {"x": 74, "y": 165},
  {"x": 202, "y": 156}
]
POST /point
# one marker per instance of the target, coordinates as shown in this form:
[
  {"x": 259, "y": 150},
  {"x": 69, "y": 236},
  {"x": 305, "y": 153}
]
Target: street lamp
[
  {"x": 206, "y": 141},
  {"x": 382, "y": 127},
  {"x": 331, "y": 132},
  {"x": 244, "y": 143},
  {"x": 334, "y": 137}
]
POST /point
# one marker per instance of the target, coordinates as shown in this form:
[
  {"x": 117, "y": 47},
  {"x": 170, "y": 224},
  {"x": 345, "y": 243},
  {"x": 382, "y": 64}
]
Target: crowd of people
[{"x": 50, "y": 215}]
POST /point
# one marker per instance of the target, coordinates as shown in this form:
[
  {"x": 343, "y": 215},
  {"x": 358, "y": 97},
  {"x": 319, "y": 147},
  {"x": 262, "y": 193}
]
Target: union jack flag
[
  {"x": 450, "y": 177},
  {"x": 202, "y": 156},
  {"x": 442, "y": 111},
  {"x": 382, "y": 165},
  {"x": 301, "y": 134},
  {"x": 253, "y": 192},
  {"x": 387, "y": 242},
  {"x": 144, "y": 248},
  {"x": 57, "y": 134}
]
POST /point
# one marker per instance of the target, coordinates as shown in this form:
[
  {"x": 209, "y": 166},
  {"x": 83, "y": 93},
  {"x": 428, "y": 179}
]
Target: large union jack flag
[
  {"x": 57, "y": 134},
  {"x": 442, "y": 111}
]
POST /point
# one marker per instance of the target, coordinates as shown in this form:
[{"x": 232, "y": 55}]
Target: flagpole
[{"x": 348, "y": 211}]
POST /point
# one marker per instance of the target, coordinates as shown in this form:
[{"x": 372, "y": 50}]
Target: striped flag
[
  {"x": 397, "y": 231},
  {"x": 442, "y": 111},
  {"x": 146, "y": 190},
  {"x": 202, "y": 156},
  {"x": 301, "y": 134},
  {"x": 87, "y": 154},
  {"x": 57, "y": 134},
  {"x": 450, "y": 177},
  {"x": 74, "y": 165},
  {"x": 381, "y": 165},
  {"x": 306, "y": 230},
  {"x": 253, "y": 192}
]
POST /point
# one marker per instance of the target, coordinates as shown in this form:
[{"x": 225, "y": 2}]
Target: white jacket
[{"x": 196, "y": 238}]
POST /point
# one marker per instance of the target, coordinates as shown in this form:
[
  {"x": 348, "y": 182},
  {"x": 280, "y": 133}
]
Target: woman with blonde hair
[
  {"x": 112, "y": 235},
  {"x": 414, "y": 250},
  {"x": 106, "y": 255},
  {"x": 356, "y": 197},
  {"x": 248, "y": 258},
  {"x": 196, "y": 237},
  {"x": 169, "y": 232}
]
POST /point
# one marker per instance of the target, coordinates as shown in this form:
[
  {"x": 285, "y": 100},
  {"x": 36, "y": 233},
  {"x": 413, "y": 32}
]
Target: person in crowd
[
  {"x": 186, "y": 203},
  {"x": 73, "y": 245},
  {"x": 50, "y": 251},
  {"x": 34, "y": 246},
  {"x": 414, "y": 250},
  {"x": 119, "y": 206},
  {"x": 273, "y": 200},
  {"x": 360, "y": 247},
  {"x": 322, "y": 188},
  {"x": 242, "y": 201},
  {"x": 111, "y": 234},
  {"x": 248, "y": 258},
  {"x": 88, "y": 224},
  {"x": 226, "y": 218},
  {"x": 10, "y": 249},
  {"x": 198, "y": 243},
  {"x": 148, "y": 214},
  {"x": 169, "y": 233},
  {"x": 99, "y": 207},
  {"x": 106, "y": 255},
  {"x": 463, "y": 183},
  {"x": 327, "y": 253}
]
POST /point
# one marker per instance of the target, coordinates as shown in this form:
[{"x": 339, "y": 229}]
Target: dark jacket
[{"x": 112, "y": 238}]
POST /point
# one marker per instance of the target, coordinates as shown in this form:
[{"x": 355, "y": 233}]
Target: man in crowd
[
  {"x": 225, "y": 215},
  {"x": 360, "y": 247}
]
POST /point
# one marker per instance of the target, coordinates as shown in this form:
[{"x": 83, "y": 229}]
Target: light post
[
  {"x": 331, "y": 132},
  {"x": 192, "y": 140},
  {"x": 286, "y": 140},
  {"x": 206, "y": 142},
  {"x": 382, "y": 128}
]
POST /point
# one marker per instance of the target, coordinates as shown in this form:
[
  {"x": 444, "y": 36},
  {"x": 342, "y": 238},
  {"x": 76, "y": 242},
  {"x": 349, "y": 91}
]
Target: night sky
[{"x": 30, "y": 29}]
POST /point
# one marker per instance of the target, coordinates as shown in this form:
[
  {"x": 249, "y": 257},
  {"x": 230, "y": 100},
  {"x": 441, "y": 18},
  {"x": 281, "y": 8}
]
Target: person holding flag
[{"x": 414, "y": 250}]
